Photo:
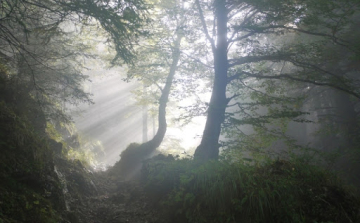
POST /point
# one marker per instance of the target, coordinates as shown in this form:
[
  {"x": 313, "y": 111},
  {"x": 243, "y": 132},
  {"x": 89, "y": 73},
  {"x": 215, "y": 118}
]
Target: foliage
[
  {"x": 122, "y": 20},
  {"x": 30, "y": 188},
  {"x": 25, "y": 168},
  {"x": 41, "y": 64},
  {"x": 265, "y": 47},
  {"x": 260, "y": 116},
  {"x": 21, "y": 204},
  {"x": 130, "y": 160},
  {"x": 40, "y": 44},
  {"x": 74, "y": 146},
  {"x": 23, "y": 149},
  {"x": 221, "y": 191}
]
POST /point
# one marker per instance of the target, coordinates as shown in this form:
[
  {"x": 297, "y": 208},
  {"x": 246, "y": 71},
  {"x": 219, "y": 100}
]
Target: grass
[{"x": 221, "y": 191}]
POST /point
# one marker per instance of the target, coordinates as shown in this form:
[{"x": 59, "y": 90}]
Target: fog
[{"x": 116, "y": 119}]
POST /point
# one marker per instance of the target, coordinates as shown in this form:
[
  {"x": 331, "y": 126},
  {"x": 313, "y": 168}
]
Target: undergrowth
[
  {"x": 25, "y": 171},
  {"x": 222, "y": 191}
]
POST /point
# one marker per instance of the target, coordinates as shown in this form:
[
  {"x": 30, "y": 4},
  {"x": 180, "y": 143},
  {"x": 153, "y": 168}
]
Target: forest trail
[{"x": 113, "y": 202}]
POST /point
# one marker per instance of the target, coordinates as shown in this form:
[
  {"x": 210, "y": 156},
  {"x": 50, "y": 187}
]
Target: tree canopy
[
  {"x": 40, "y": 44},
  {"x": 277, "y": 81},
  {"x": 257, "y": 41},
  {"x": 257, "y": 59}
]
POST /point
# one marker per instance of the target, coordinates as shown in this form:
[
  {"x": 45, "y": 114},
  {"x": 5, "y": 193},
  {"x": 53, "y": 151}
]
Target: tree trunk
[
  {"x": 155, "y": 142},
  {"x": 134, "y": 154},
  {"x": 209, "y": 146},
  {"x": 144, "y": 119}
]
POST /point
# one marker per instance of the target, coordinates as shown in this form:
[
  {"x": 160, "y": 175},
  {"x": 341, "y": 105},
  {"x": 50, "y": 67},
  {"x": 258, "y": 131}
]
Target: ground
[{"x": 106, "y": 199}]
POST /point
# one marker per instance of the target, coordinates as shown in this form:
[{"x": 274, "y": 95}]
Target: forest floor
[
  {"x": 111, "y": 201},
  {"x": 119, "y": 203},
  {"x": 105, "y": 197}
]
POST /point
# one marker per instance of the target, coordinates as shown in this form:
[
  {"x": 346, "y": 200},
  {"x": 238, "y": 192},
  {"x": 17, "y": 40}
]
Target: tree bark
[{"x": 209, "y": 146}]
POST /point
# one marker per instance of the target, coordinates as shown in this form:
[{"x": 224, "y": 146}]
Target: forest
[{"x": 176, "y": 111}]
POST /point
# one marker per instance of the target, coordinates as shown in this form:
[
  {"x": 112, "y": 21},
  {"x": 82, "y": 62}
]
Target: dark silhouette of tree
[
  {"x": 156, "y": 65},
  {"x": 243, "y": 39}
]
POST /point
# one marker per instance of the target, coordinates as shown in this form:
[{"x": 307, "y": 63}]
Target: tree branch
[
  {"x": 201, "y": 15},
  {"x": 287, "y": 76},
  {"x": 262, "y": 29},
  {"x": 252, "y": 59},
  {"x": 197, "y": 60}
]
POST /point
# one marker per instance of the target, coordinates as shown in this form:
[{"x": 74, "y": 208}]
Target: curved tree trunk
[
  {"x": 132, "y": 157},
  {"x": 155, "y": 142}
]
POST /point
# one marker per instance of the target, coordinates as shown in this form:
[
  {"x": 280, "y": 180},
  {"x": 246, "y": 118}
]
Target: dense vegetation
[
  {"x": 221, "y": 191},
  {"x": 281, "y": 139}
]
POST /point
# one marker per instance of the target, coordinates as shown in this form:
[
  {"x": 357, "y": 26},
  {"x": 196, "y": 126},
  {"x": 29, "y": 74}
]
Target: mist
[
  {"x": 183, "y": 112},
  {"x": 115, "y": 119}
]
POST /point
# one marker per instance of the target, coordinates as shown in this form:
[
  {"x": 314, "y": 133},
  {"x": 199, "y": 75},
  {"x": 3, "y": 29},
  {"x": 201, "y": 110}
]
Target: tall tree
[
  {"x": 154, "y": 61},
  {"x": 209, "y": 147},
  {"x": 245, "y": 33}
]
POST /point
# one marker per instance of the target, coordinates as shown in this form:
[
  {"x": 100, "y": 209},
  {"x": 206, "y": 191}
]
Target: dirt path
[{"x": 115, "y": 202}]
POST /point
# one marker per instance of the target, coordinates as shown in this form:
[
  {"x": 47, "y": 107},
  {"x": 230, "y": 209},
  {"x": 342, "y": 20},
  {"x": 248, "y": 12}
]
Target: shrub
[{"x": 220, "y": 191}]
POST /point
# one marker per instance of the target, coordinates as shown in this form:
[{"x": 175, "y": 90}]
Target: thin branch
[
  {"x": 239, "y": 10},
  {"x": 260, "y": 92},
  {"x": 333, "y": 37},
  {"x": 197, "y": 60},
  {"x": 246, "y": 19},
  {"x": 203, "y": 23},
  {"x": 154, "y": 82},
  {"x": 287, "y": 76},
  {"x": 252, "y": 59},
  {"x": 232, "y": 40},
  {"x": 232, "y": 97},
  {"x": 303, "y": 64}
]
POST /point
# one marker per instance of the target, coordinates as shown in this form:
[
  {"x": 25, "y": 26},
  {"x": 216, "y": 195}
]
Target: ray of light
[{"x": 116, "y": 121}]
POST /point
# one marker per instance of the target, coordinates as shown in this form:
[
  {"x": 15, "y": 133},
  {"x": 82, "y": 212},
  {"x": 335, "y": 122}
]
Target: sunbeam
[{"x": 116, "y": 120}]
